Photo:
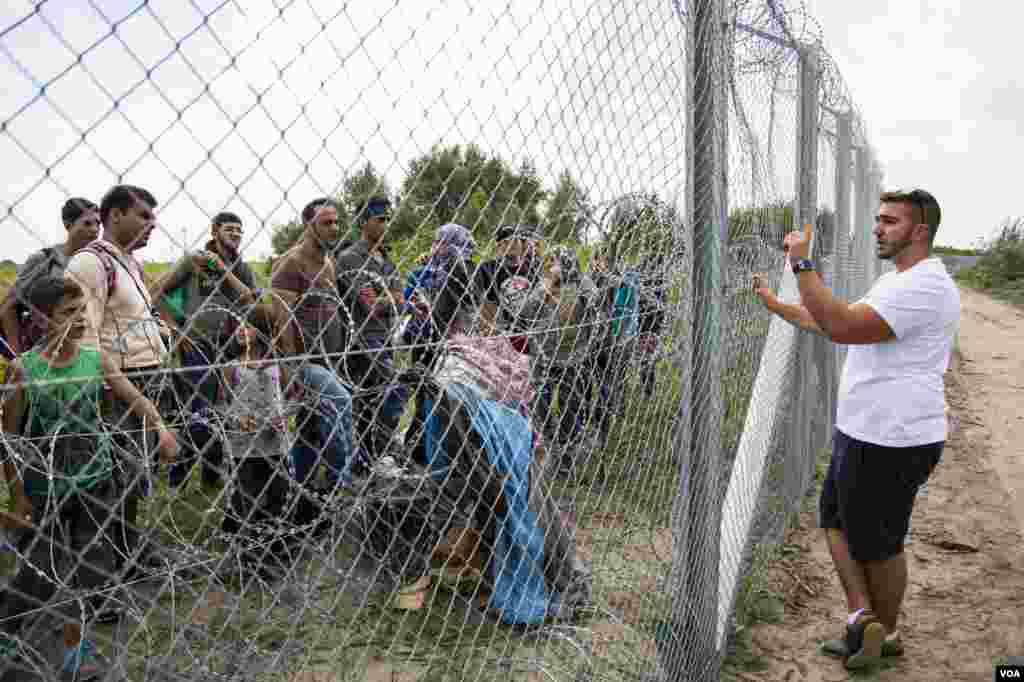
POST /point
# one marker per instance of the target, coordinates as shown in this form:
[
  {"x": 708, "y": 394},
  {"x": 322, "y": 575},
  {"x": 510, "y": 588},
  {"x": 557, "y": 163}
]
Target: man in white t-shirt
[{"x": 891, "y": 421}]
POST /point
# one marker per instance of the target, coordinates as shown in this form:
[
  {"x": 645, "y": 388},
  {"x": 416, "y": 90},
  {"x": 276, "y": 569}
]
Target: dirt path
[{"x": 964, "y": 609}]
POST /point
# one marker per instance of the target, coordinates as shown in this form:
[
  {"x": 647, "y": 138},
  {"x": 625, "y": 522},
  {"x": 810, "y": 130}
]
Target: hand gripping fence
[{"x": 500, "y": 404}]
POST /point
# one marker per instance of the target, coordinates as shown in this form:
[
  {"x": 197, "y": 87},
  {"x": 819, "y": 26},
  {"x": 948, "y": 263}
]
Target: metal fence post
[
  {"x": 861, "y": 221},
  {"x": 842, "y": 276},
  {"x": 805, "y": 211},
  {"x": 691, "y": 650}
]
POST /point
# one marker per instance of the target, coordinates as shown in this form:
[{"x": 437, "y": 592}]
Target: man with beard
[
  {"x": 81, "y": 219},
  {"x": 311, "y": 337},
  {"x": 121, "y": 322},
  {"x": 206, "y": 288},
  {"x": 507, "y": 280},
  {"x": 890, "y": 419},
  {"x": 365, "y": 278}
]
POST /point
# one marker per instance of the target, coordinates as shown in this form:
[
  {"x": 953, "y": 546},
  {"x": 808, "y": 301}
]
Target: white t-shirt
[
  {"x": 892, "y": 393},
  {"x": 122, "y": 323}
]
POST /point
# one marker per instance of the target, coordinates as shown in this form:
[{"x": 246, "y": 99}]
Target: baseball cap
[{"x": 506, "y": 232}]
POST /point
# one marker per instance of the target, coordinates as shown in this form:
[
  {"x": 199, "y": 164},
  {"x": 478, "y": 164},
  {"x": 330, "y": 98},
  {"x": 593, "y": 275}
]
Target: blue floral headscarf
[{"x": 453, "y": 244}]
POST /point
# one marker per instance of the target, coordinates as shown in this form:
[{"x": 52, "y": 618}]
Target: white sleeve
[{"x": 908, "y": 304}]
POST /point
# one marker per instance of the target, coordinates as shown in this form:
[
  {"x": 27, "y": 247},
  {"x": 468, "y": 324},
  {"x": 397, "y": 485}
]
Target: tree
[
  {"x": 464, "y": 185},
  {"x": 357, "y": 187},
  {"x": 639, "y": 224},
  {"x": 364, "y": 184},
  {"x": 568, "y": 212},
  {"x": 284, "y": 237}
]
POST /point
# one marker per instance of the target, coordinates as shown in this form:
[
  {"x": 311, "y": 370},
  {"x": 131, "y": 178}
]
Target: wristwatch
[{"x": 802, "y": 265}]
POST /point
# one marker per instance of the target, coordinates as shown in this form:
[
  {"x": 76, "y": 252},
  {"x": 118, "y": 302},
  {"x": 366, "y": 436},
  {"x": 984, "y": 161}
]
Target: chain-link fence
[{"x": 409, "y": 341}]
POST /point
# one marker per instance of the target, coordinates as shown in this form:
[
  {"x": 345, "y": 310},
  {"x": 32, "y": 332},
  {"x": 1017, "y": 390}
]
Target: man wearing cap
[
  {"x": 507, "y": 280},
  {"x": 213, "y": 283},
  {"x": 366, "y": 280},
  {"x": 890, "y": 418},
  {"x": 81, "y": 219}
]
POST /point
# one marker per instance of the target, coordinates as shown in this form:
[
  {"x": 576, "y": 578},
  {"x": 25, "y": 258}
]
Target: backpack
[
  {"x": 30, "y": 331},
  {"x": 106, "y": 259}
]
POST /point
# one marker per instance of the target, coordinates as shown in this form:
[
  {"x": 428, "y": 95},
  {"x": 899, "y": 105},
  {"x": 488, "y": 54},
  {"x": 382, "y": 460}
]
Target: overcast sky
[
  {"x": 298, "y": 99},
  {"x": 937, "y": 81}
]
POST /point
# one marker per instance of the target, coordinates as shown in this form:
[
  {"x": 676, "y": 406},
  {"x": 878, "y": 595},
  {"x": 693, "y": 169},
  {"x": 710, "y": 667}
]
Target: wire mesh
[{"x": 496, "y": 406}]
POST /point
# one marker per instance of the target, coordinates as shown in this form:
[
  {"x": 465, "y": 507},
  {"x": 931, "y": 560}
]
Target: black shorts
[{"x": 869, "y": 493}]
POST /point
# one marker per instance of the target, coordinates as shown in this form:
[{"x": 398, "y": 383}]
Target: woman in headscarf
[{"x": 453, "y": 244}]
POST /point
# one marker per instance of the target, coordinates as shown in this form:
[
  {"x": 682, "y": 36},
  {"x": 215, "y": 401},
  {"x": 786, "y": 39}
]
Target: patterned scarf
[{"x": 453, "y": 243}]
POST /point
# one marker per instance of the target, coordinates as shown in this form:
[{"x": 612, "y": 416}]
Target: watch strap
[{"x": 802, "y": 265}]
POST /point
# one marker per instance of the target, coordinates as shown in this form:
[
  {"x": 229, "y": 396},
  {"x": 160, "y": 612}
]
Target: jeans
[{"x": 325, "y": 427}]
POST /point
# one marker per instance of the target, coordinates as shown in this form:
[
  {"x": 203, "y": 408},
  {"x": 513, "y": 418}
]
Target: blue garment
[
  {"x": 520, "y": 593},
  {"x": 626, "y": 307},
  {"x": 332, "y": 417},
  {"x": 418, "y": 330}
]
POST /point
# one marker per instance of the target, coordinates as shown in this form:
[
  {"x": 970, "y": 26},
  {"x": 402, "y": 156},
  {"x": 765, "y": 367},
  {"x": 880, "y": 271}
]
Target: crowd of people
[{"x": 292, "y": 395}]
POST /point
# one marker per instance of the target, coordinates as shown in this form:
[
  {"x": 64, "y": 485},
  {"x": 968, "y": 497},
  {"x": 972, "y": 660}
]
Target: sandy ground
[{"x": 964, "y": 609}]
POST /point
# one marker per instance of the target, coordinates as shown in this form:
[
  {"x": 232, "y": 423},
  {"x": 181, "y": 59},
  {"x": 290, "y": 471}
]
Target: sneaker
[
  {"x": 864, "y": 641},
  {"x": 892, "y": 645},
  {"x": 835, "y": 647},
  {"x": 82, "y": 663}
]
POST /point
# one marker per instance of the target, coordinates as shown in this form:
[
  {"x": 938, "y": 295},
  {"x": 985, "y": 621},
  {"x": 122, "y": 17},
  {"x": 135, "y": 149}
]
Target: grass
[
  {"x": 623, "y": 503},
  {"x": 999, "y": 270},
  {"x": 623, "y": 514},
  {"x": 757, "y": 601}
]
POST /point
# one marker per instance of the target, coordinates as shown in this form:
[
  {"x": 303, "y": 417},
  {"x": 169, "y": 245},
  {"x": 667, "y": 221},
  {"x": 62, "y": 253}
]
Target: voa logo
[{"x": 1009, "y": 674}]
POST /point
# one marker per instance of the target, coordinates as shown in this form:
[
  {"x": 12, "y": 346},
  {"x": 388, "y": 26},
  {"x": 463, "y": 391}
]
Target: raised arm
[
  {"x": 795, "y": 314},
  {"x": 246, "y": 293}
]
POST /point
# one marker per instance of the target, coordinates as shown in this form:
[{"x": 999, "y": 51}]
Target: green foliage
[
  {"x": 356, "y": 188},
  {"x": 640, "y": 224},
  {"x": 953, "y": 251},
  {"x": 771, "y": 222},
  {"x": 568, "y": 212},
  {"x": 464, "y": 185},
  {"x": 284, "y": 237},
  {"x": 1000, "y": 267}
]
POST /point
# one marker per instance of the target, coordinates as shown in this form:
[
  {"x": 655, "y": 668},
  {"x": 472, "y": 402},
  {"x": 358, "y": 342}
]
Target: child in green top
[{"x": 60, "y": 473}]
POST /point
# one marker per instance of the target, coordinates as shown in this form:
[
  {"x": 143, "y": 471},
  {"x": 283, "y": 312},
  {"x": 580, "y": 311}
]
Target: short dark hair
[
  {"x": 124, "y": 197},
  {"x": 372, "y": 206},
  {"x": 924, "y": 207},
  {"x": 313, "y": 207},
  {"x": 47, "y": 292},
  {"x": 74, "y": 208},
  {"x": 225, "y": 217}
]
